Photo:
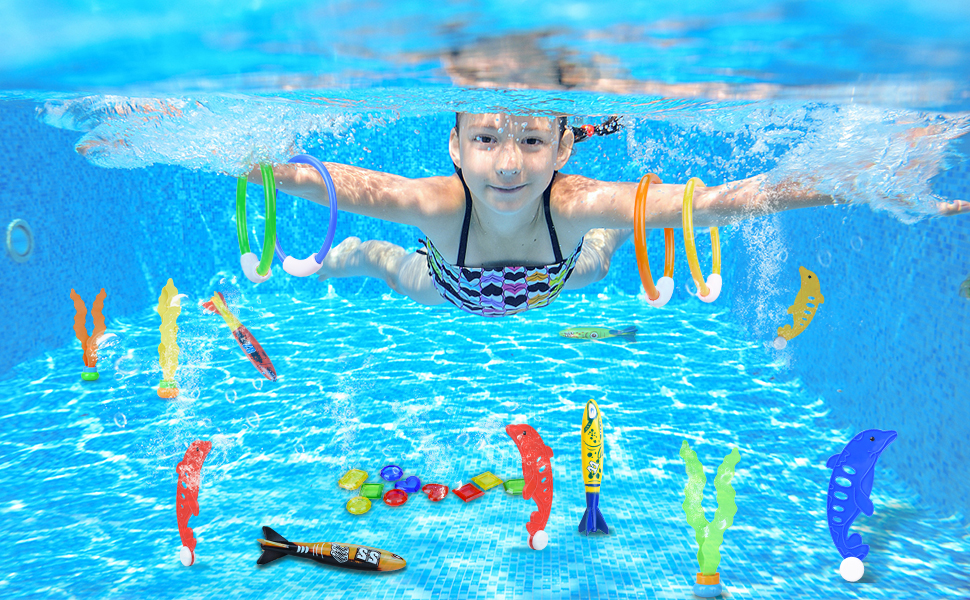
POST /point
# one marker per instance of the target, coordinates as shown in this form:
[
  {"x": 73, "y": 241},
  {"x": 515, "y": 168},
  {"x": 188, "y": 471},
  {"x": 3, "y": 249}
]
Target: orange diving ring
[
  {"x": 709, "y": 290},
  {"x": 657, "y": 295}
]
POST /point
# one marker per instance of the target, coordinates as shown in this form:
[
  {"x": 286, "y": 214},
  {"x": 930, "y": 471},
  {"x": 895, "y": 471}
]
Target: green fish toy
[{"x": 599, "y": 333}]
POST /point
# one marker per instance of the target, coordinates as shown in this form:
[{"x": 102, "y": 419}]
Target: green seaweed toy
[{"x": 709, "y": 535}]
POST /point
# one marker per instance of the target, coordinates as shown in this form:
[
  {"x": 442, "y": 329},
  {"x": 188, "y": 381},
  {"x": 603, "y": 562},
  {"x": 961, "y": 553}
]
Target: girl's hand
[{"x": 956, "y": 207}]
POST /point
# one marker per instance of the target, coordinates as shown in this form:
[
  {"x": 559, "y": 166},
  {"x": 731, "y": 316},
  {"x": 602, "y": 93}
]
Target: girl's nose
[{"x": 509, "y": 159}]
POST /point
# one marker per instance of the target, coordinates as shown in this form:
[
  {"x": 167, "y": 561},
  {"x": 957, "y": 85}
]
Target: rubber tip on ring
[
  {"x": 187, "y": 556},
  {"x": 779, "y": 343},
  {"x": 249, "y": 262},
  {"x": 665, "y": 285},
  {"x": 301, "y": 268},
  {"x": 714, "y": 285}
]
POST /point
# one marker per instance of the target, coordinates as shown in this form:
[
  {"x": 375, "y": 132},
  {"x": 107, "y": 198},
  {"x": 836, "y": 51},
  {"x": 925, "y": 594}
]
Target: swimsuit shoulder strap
[
  {"x": 546, "y": 197},
  {"x": 462, "y": 245}
]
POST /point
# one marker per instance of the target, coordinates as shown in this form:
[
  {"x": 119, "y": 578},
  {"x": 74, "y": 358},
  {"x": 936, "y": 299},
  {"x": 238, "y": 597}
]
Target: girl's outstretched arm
[
  {"x": 371, "y": 193},
  {"x": 611, "y": 205}
]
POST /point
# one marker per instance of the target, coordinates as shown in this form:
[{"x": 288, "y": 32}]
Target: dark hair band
[{"x": 607, "y": 127}]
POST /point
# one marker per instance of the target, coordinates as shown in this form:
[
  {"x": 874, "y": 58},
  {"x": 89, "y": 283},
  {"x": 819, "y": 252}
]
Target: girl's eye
[
  {"x": 484, "y": 139},
  {"x": 532, "y": 141}
]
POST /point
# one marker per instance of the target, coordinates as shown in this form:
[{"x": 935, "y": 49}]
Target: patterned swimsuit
[{"x": 502, "y": 291}]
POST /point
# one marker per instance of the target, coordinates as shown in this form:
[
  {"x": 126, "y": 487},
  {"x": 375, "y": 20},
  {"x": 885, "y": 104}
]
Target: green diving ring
[{"x": 257, "y": 270}]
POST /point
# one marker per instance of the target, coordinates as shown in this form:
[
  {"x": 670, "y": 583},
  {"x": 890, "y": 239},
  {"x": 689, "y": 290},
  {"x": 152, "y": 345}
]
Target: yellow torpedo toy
[
  {"x": 803, "y": 310},
  {"x": 592, "y": 469}
]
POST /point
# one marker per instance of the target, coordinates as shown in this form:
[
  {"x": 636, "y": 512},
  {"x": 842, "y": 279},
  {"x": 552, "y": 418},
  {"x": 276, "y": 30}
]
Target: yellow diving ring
[
  {"x": 707, "y": 291},
  {"x": 657, "y": 295}
]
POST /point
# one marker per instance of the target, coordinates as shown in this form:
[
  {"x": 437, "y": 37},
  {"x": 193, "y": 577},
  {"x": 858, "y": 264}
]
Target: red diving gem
[
  {"x": 467, "y": 492},
  {"x": 395, "y": 497},
  {"x": 435, "y": 491}
]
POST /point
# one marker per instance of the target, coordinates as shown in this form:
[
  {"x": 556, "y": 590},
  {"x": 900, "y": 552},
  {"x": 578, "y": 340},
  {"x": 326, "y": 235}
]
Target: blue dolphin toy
[{"x": 857, "y": 465}]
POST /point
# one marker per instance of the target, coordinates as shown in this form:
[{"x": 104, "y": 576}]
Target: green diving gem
[
  {"x": 514, "y": 486},
  {"x": 372, "y": 490}
]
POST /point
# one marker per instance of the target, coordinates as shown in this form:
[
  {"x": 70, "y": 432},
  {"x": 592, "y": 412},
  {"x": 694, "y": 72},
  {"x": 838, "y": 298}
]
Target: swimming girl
[{"x": 508, "y": 231}]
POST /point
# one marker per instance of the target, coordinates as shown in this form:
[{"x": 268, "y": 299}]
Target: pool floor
[{"x": 89, "y": 480}]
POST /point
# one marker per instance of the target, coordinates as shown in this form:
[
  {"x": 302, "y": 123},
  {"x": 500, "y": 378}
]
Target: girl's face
[{"x": 507, "y": 161}]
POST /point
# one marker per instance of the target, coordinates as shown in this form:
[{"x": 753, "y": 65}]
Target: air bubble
[
  {"x": 232, "y": 396},
  {"x": 824, "y": 258},
  {"x": 856, "y": 243},
  {"x": 252, "y": 419},
  {"x": 108, "y": 340},
  {"x": 126, "y": 365},
  {"x": 120, "y": 420}
]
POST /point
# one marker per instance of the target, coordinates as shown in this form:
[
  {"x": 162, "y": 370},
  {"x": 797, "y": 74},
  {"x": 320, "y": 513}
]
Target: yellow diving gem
[
  {"x": 352, "y": 479},
  {"x": 486, "y": 481},
  {"x": 169, "y": 307},
  {"x": 803, "y": 310},
  {"x": 358, "y": 505}
]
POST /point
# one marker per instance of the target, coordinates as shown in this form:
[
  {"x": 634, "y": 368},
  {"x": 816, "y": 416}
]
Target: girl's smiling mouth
[{"x": 507, "y": 189}]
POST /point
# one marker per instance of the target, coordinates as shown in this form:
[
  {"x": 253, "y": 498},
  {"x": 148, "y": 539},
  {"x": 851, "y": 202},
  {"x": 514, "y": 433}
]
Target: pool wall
[{"x": 886, "y": 350}]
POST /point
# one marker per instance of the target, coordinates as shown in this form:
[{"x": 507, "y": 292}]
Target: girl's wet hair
[{"x": 607, "y": 127}]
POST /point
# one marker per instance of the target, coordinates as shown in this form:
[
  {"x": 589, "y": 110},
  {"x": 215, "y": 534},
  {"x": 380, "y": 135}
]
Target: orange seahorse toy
[{"x": 89, "y": 342}]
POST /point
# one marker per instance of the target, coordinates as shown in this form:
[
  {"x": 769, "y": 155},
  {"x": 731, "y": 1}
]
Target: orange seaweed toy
[{"x": 89, "y": 342}]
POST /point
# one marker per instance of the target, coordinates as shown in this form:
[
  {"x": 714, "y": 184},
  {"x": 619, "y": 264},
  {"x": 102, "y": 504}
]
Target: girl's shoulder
[
  {"x": 435, "y": 198},
  {"x": 575, "y": 196},
  {"x": 582, "y": 203},
  {"x": 440, "y": 202}
]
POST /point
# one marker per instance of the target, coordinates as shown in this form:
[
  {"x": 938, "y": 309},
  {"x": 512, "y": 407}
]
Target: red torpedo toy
[
  {"x": 246, "y": 340},
  {"x": 537, "y": 471}
]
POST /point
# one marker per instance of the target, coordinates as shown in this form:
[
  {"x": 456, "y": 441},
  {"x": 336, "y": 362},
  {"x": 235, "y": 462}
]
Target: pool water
[{"x": 125, "y": 126}]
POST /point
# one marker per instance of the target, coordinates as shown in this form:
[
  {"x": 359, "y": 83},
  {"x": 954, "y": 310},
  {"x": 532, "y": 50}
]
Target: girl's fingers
[{"x": 953, "y": 208}]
